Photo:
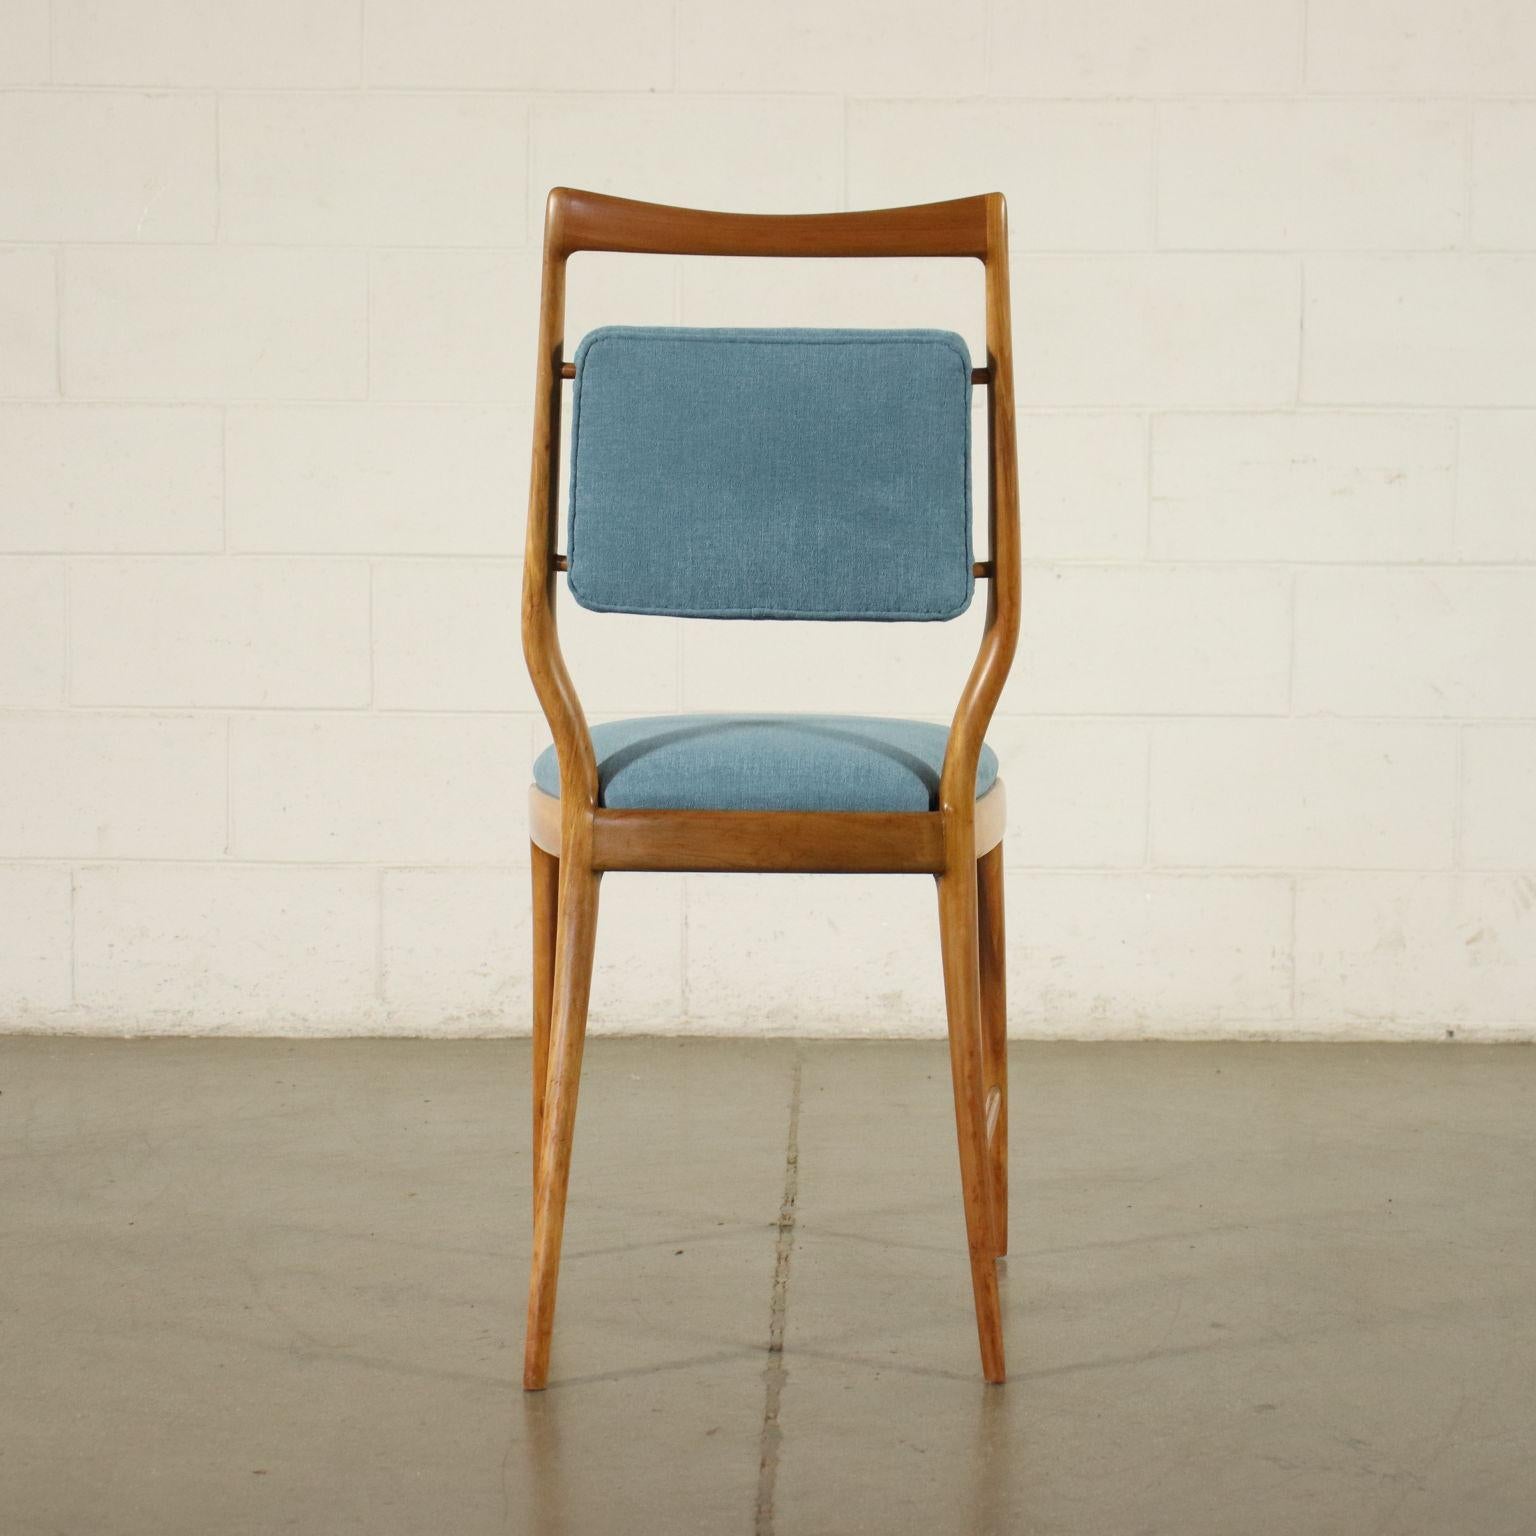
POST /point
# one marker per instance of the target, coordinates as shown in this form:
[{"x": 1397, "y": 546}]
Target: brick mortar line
[
  {"x": 187, "y": 713},
  {"x": 216, "y": 559},
  {"x": 557, "y": 97},
  {"x": 1119, "y": 873},
  {"x": 129, "y": 709},
  {"x": 1022, "y": 253},
  {"x": 1030, "y": 409}
]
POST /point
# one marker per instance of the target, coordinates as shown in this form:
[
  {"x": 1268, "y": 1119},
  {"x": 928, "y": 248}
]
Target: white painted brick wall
[
  {"x": 110, "y": 166},
  {"x": 29, "y": 355},
  {"x": 1146, "y": 48},
  {"x": 1496, "y": 472},
  {"x": 1311, "y": 175},
  {"x": 213, "y": 947},
  {"x": 25, "y": 56},
  {"x": 130, "y": 479},
  {"x": 83, "y": 784},
  {"x": 378, "y": 788},
  {"x": 234, "y": 43},
  {"x": 268, "y": 284},
  {"x": 217, "y": 632},
  {"x": 1431, "y": 47},
  {"x": 487, "y": 44},
  {"x": 1083, "y": 485},
  {"x": 372, "y": 478},
  {"x": 1309, "y": 793},
  {"x": 36, "y": 940},
  {"x": 1430, "y": 642},
  {"x": 1162, "y": 329},
  {"x": 33, "y": 628},
  {"x": 203, "y": 322},
  {"x": 1303, "y": 487},
  {"x": 1420, "y": 330},
  {"x": 451, "y": 325},
  {"x": 317, "y": 169},
  {"x": 1499, "y": 772},
  {"x": 1153, "y": 639},
  {"x": 1411, "y": 954},
  {"x": 1124, "y": 954},
  {"x": 1503, "y": 154}
]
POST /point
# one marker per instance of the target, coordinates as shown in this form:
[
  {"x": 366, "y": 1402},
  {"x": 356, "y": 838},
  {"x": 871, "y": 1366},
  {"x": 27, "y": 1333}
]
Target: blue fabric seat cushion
[
  {"x": 771, "y": 473},
  {"x": 768, "y": 763}
]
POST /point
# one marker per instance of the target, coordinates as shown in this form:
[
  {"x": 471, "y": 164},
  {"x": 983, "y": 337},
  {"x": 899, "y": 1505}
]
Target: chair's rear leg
[
  {"x": 962, "y": 989},
  {"x": 577, "y": 933},
  {"x": 994, "y": 1030},
  {"x": 546, "y": 897}
]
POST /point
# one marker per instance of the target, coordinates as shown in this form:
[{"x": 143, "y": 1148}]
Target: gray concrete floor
[{"x": 261, "y": 1286}]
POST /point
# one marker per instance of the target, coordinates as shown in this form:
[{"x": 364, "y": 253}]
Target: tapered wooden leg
[
  {"x": 577, "y": 933},
  {"x": 962, "y": 993},
  {"x": 994, "y": 1031},
  {"x": 546, "y": 897}
]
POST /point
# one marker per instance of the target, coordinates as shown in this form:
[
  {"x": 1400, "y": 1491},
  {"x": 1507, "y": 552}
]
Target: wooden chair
[{"x": 577, "y": 837}]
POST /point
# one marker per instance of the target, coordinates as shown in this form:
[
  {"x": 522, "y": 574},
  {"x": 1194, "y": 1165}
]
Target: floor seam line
[{"x": 774, "y": 1373}]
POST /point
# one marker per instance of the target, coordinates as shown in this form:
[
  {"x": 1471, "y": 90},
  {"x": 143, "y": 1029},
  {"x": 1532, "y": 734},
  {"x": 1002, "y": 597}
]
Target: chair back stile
[
  {"x": 1000, "y": 637},
  {"x": 541, "y": 640}
]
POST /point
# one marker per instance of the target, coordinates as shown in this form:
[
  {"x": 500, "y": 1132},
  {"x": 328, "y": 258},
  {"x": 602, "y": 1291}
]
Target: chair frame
[{"x": 575, "y": 840}]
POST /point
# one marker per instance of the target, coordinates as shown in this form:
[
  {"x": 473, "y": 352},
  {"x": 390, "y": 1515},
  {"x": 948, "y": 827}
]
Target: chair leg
[
  {"x": 577, "y": 933},
  {"x": 962, "y": 993},
  {"x": 546, "y": 897},
  {"x": 994, "y": 1030}
]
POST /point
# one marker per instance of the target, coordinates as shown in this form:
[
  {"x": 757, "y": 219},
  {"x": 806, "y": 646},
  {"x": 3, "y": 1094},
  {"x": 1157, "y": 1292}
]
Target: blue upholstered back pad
[{"x": 771, "y": 474}]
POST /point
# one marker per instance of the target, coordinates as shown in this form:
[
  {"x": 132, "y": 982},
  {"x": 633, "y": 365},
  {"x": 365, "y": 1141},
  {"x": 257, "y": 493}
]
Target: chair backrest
[
  {"x": 771, "y": 474},
  {"x": 870, "y": 524}
]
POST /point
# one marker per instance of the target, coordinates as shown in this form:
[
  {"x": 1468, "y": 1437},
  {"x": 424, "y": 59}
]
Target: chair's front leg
[
  {"x": 962, "y": 994},
  {"x": 574, "y": 942},
  {"x": 546, "y": 898},
  {"x": 994, "y": 1030}
]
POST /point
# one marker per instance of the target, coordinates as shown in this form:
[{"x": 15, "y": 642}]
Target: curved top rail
[{"x": 594, "y": 221}]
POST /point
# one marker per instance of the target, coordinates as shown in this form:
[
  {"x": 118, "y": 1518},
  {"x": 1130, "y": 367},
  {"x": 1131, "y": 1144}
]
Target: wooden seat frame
[{"x": 575, "y": 840}]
